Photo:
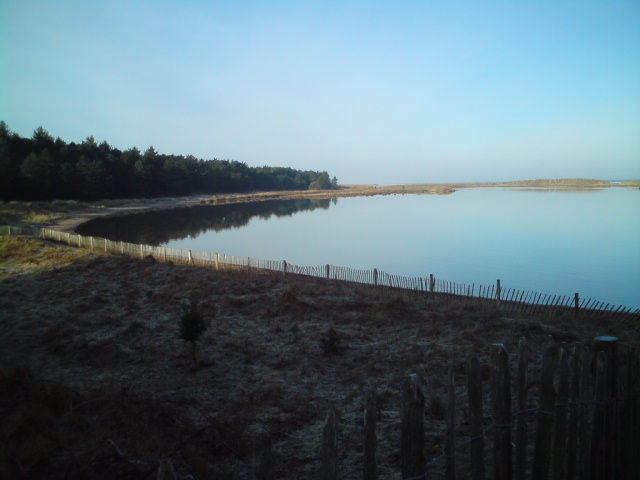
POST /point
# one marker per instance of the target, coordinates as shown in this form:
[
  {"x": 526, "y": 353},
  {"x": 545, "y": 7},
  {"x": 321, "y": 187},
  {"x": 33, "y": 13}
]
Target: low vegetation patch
[{"x": 96, "y": 381}]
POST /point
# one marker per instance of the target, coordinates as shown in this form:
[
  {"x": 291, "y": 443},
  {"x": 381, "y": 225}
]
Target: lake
[{"x": 556, "y": 241}]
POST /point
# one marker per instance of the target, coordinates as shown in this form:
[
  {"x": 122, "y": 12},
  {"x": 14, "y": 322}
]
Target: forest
[{"x": 44, "y": 168}]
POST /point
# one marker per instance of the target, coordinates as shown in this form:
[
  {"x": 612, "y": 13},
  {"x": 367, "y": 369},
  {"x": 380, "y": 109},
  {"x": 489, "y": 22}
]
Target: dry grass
[{"x": 97, "y": 384}]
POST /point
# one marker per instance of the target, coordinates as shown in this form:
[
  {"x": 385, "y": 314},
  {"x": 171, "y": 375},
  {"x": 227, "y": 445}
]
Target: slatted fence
[
  {"x": 440, "y": 291},
  {"x": 584, "y": 422}
]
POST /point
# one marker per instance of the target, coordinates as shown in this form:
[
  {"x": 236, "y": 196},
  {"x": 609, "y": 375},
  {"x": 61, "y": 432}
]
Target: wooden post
[
  {"x": 498, "y": 293},
  {"x": 262, "y": 465},
  {"x": 474, "y": 374},
  {"x": 370, "y": 439},
  {"x": 330, "y": 447},
  {"x": 375, "y": 277},
  {"x": 542, "y": 449},
  {"x": 141, "y": 252},
  {"x": 106, "y": 245},
  {"x": 634, "y": 413},
  {"x": 501, "y": 408},
  {"x": 562, "y": 403},
  {"x": 165, "y": 470},
  {"x": 217, "y": 261},
  {"x": 576, "y": 304},
  {"x": 597, "y": 456},
  {"x": 586, "y": 395},
  {"x": 121, "y": 247},
  {"x": 572, "y": 429},
  {"x": 450, "y": 446},
  {"x": 164, "y": 254},
  {"x": 608, "y": 345},
  {"x": 432, "y": 283},
  {"x": 412, "y": 458},
  {"x": 623, "y": 418},
  {"x": 284, "y": 268},
  {"x": 91, "y": 245},
  {"x": 190, "y": 258},
  {"x": 521, "y": 431},
  {"x": 328, "y": 272}
]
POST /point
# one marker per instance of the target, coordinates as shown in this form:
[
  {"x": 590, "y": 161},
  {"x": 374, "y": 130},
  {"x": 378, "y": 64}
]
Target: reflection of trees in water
[{"x": 158, "y": 227}]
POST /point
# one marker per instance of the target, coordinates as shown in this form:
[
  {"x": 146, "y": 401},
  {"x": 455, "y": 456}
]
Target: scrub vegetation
[{"x": 96, "y": 381}]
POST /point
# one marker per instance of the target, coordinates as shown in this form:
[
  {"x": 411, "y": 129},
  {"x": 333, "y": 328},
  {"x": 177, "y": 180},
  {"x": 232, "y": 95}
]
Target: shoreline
[{"x": 67, "y": 215}]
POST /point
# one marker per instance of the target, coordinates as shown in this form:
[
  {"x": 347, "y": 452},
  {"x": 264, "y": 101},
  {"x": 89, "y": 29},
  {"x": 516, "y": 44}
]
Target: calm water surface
[{"x": 549, "y": 241}]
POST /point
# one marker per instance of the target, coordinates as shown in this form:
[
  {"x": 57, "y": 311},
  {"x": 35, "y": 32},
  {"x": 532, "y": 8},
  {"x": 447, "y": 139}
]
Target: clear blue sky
[{"x": 371, "y": 91}]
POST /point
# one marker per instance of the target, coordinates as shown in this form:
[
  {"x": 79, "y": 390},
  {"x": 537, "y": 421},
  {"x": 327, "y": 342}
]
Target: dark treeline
[{"x": 44, "y": 168}]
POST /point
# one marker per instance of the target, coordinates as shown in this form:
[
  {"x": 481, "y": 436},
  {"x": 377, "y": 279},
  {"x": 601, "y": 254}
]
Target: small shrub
[
  {"x": 331, "y": 342},
  {"x": 192, "y": 324}
]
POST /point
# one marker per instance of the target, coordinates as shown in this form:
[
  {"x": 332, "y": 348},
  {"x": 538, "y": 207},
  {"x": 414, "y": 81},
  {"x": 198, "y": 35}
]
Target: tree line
[{"x": 44, "y": 168}]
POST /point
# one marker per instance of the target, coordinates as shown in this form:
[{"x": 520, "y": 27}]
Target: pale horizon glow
[{"x": 372, "y": 92}]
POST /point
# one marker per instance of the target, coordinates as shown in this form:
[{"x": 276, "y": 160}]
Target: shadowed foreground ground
[{"x": 95, "y": 383}]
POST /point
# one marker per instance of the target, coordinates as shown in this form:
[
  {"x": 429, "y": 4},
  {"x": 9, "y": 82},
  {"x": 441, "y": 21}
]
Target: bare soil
[{"x": 95, "y": 382}]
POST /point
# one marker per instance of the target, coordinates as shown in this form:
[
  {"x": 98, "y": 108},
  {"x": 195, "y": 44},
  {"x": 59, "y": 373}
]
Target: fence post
[
  {"x": 164, "y": 254},
  {"x": 498, "y": 292},
  {"x": 521, "y": 431},
  {"x": 328, "y": 272},
  {"x": 91, "y": 245},
  {"x": 572, "y": 428},
  {"x": 432, "y": 283},
  {"x": 634, "y": 409},
  {"x": 141, "y": 251},
  {"x": 562, "y": 403},
  {"x": 262, "y": 465},
  {"x": 474, "y": 374},
  {"x": 501, "y": 407},
  {"x": 284, "y": 268},
  {"x": 375, "y": 277},
  {"x": 450, "y": 446},
  {"x": 165, "y": 470},
  {"x": 330, "y": 447},
  {"x": 597, "y": 457},
  {"x": 190, "y": 258},
  {"x": 370, "y": 440},
  {"x": 542, "y": 449},
  {"x": 576, "y": 306},
  {"x": 217, "y": 261},
  {"x": 412, "y": 458},
  {"x": 609, "y": 345},
  {"x": 623, "y": 418},
  {"x": 586, "y": 394}
]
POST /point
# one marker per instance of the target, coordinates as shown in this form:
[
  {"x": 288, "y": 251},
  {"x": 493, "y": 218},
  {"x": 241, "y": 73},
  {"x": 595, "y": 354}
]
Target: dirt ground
[{"x": 96, "y": 383}]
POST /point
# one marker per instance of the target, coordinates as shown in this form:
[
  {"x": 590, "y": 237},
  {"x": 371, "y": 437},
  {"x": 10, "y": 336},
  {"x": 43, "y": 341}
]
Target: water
[{"x": 556, "y": 241}]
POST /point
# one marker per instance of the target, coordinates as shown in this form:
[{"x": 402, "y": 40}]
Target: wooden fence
[
  {"x": 586, "y": 421},
  {"x": 439, "y": 291}
]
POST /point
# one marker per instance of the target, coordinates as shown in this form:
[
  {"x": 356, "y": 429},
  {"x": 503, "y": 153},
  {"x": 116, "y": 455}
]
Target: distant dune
[{"x": 562, "y": 182}]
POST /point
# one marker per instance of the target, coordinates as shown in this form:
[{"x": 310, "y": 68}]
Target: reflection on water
[
  {"x": 549, "y": 240},
  {"x": 160, "y": 227}
]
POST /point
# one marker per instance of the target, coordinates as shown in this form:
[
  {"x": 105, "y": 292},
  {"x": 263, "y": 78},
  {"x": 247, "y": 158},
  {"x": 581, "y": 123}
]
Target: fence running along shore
[{"x": 440, "y": 291}]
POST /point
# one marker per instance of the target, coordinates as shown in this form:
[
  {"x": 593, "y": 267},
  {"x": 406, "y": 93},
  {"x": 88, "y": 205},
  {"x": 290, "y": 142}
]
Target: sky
[{"x": 371, "y": 91}]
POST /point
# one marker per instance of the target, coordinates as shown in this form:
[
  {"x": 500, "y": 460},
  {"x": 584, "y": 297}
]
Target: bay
[{"x": 556, "y": 241}]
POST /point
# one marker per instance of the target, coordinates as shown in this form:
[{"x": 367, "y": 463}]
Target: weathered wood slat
[
  {"x": 412, "y": 458},
  {"x": 501, "y": 408},
  {"x": 474, "y": 379},
  {"x": 542, "y": 449}
]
